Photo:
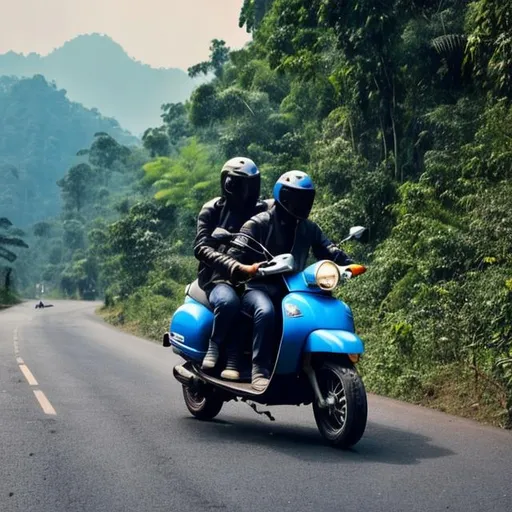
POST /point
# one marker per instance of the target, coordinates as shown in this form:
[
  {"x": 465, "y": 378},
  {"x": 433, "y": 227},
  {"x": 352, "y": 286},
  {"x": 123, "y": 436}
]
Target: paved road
[{"x": 122, "y": 440}]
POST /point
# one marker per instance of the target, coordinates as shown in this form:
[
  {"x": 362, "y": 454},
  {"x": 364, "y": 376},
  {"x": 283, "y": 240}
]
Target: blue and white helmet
[
  {"x": 295, "y": 192},
  {"x": 240, "y": 181}
]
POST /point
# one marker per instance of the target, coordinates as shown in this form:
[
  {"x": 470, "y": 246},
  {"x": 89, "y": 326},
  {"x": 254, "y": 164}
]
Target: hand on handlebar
[{"x": 249, "y": 270}]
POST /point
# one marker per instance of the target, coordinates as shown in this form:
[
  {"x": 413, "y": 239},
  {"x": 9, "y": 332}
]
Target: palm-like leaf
[
  {"x": 14, "y": 241},
  {"x": 5, "y": 223},
  {"x": 449, "y": 43},
  {"x": 7, "y": 255}
]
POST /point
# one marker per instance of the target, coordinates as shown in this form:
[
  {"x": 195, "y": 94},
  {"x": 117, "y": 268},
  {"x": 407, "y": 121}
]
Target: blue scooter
[{"x": 315, "y": 353}]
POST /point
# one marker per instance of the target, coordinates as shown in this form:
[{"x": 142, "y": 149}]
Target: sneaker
[
  {"x": 211, "y": 357},
  {"x": 260, "y": 378},
  {"x": 231, "y": 371},
  {"x": 230, "y": 374},
  {"x": 259, "y": 382}
]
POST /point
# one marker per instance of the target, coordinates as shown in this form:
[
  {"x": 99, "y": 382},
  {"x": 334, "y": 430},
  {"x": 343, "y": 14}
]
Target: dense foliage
[
  {"x": 11, "y": 240},
  {"x": 401, "y": 112},
  {"x": 40, "y": 133}
]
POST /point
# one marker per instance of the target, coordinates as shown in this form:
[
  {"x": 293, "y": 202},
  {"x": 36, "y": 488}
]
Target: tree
[
  {"x": 76, "y": 186},
  {"x": 104, "y": 153},
  {"x": 156, "y": 141},
  {"x": 186, "y": 181},
  {"x": 252, "y": 13},
  {"x": 42, "y": 229},
  {"x": 8, "y": 240},
  {"x": 219, "y": 54},
  {"x": 489, "y": 46},
  {"x": 175, "y": 118}
]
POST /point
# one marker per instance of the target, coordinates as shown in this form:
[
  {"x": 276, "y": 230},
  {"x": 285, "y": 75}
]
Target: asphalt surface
[{"x": 121, "y": 438}]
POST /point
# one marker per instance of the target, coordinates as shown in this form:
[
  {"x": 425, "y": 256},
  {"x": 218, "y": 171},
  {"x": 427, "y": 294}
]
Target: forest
[{"x": 399, "y": 110}]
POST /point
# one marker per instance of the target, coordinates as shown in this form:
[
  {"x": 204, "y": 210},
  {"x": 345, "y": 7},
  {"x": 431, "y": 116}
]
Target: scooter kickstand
[{"x": 252, "y": 405}]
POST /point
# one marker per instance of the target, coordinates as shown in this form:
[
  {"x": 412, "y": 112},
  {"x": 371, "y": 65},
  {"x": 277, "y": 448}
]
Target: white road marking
[
  {"x": 41, "y": 397},
  {"x": 15, "y": 341},
  {"x": 28, "y": 375},
  {"x": 44, "y": 402}
]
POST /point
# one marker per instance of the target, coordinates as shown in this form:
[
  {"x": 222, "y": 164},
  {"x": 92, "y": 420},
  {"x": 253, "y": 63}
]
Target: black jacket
[
  {"x": 281, "y": 234},
  {"x": 214, "y": 266}
]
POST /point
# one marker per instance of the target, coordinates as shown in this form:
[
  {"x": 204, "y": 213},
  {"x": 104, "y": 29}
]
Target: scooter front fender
[{"x": 334, "y": 341}]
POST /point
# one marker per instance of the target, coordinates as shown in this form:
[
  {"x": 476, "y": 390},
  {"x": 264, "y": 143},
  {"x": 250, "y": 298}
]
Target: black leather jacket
[
  {"x": 214, "y": 266},
  {"x": 280, "y": 233}
]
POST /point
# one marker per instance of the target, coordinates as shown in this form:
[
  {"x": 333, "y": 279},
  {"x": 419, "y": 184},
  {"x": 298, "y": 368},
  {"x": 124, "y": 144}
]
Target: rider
[
  {"x": 240, "y": 185},
  {"x": 284, "y": 228}
]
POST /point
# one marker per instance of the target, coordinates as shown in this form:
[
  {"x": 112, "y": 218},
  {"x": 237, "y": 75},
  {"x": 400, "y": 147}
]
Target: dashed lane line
[
  {"x": 40, "y": 396},
  {"x": 28, "y": 375},
  {"x": 44, "y": 402},
  {"x": 15, "y": 341}
]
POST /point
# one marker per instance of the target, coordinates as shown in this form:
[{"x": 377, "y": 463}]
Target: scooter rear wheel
[
  {"x": 204, "y": 405},
  {"x": 343, "y": 423}
]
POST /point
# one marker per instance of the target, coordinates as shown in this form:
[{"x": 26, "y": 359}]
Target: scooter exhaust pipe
[{"x": 181, "y": 374}]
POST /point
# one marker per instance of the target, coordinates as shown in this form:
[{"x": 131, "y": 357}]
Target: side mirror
[
  {"x": 222, "y": 234},
  {"x": 356, "y": 232}
]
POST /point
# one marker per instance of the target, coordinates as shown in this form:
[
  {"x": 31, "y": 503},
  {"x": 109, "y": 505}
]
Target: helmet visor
[
  {"x": 242, "y": 189},
  {"x": 296, "y": 201}
]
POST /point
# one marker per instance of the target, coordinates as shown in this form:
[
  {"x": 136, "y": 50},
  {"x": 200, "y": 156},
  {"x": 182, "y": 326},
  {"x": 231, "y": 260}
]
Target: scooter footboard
[{"x": 334, "y": 341}]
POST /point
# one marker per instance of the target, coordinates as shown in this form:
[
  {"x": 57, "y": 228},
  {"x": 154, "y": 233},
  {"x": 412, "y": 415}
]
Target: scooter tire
[
  {"x": 203, "y": 406},
  {"x": 346, "y": 433}
]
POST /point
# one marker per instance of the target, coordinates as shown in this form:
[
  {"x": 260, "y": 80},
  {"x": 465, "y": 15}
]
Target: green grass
[{"x": 144, "y": 313}]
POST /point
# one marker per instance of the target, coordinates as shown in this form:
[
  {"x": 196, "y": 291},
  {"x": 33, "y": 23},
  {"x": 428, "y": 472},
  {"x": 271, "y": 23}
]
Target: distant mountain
[
  {"x": 98, "y": 73},
  {"x": 40, "y": 134}
]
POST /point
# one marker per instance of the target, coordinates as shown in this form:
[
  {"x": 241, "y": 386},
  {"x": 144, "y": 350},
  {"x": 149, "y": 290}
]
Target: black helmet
[
  {"x": 295, "y": 192},
  {"x": 240, "y": 181}
]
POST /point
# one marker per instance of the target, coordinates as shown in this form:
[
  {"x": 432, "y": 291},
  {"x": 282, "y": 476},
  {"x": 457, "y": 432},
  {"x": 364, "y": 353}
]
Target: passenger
[
  {"x": 284, "y": 228},
  {"x": 240, "y": 185}
]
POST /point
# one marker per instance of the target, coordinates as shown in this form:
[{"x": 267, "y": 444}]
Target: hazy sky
[{"x": 168, "y": 33}]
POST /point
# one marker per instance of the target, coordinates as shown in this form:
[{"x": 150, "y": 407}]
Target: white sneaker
[
  {"x": 230, "y": 374},
  {"x": 260, "y": 382}
]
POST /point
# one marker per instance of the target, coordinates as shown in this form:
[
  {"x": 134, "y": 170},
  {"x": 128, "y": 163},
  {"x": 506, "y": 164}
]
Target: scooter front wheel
[
  {"x": 343, "y": 421},
  {"x": 204, "y": 405}
]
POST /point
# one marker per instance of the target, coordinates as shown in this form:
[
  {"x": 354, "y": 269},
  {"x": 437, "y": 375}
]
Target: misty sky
[{"x": 167, "y": 33}]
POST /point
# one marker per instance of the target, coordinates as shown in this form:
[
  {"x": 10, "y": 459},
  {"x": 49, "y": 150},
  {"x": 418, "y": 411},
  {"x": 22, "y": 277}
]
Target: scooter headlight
[{"x": 327, "y": 275}]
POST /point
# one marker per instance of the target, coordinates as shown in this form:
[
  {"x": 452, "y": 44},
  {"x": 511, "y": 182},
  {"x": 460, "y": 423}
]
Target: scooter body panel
[
  {"x": 190, "y": 329},
  {"x": 304, "y": 313},
  {"x": 334, "y": 341}
]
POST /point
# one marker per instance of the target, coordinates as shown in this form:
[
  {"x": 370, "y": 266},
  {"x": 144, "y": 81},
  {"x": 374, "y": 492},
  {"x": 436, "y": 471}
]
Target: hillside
[
  {"x": 98, "y": 73},
  {"x": 40, "y": 134}
]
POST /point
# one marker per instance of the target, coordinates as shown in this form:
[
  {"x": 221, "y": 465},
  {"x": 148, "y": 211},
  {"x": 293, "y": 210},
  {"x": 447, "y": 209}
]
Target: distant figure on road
[{"x": 40, "y": 305}]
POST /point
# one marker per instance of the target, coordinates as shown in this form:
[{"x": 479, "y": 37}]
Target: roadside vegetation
[{"x": 401, "y": 112}]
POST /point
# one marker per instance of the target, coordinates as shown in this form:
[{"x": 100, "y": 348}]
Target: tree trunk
[
  {"x": 8, "y": 279},
  {"x": 395, "y": 138}
]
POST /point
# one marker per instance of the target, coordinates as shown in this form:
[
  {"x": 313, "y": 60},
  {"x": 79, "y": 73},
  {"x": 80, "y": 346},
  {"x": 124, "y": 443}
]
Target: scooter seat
[{"x": 194, "y": 291}]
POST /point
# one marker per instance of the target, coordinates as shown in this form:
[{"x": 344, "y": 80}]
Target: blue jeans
[
  {"x": 226, "y": 308},
  {"x": 259, "y": 306}
]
